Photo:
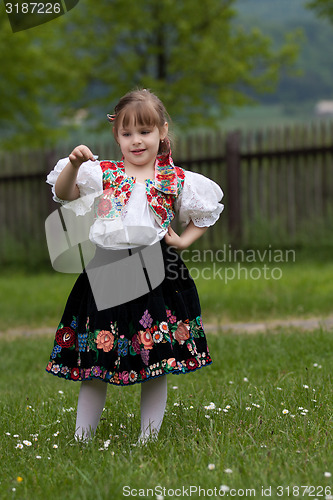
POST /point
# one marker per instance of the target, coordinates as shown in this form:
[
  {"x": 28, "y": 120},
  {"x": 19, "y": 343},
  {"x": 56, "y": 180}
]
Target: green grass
[
  {"x": 304, "y": 289},
  {"x": 254, "y": 438}
]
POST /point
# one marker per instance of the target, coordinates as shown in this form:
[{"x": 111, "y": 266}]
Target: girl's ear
[{"x": 164, "y": 131}]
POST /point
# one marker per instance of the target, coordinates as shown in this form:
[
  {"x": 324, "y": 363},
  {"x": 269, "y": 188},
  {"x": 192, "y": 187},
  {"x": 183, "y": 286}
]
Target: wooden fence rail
[{"x": 278, "y": 188}]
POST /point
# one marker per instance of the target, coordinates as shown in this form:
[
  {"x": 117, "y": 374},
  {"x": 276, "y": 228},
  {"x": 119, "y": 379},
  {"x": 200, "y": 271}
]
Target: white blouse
[{"x": 198, "y": 201}]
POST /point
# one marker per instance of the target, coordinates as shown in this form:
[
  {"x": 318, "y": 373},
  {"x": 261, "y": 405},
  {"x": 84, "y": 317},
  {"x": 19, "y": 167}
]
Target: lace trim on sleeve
[{"x": 199, "y": 200}]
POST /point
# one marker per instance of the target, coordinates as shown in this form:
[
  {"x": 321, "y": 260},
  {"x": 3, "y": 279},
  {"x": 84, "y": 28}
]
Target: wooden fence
[{"x": 278, "y": 187}]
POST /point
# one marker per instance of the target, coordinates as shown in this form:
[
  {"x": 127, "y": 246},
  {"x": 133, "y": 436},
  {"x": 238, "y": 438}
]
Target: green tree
[
  {"x": 323, "y": 8},
  {"x": 37, "y": 82},
  {"x": 191, "y": 53}
]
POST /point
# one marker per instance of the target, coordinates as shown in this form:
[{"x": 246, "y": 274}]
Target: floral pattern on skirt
[{"x": 156, "y": 334}]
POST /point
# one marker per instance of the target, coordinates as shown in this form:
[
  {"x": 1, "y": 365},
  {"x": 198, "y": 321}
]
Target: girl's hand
[
  {"x": 173, "y": 239},
  {"x": 79, "y": 155},
  {"x": 188, "y": 236}
]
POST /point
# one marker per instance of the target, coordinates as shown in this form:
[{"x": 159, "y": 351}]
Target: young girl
[{"x": 159, "y": 332}]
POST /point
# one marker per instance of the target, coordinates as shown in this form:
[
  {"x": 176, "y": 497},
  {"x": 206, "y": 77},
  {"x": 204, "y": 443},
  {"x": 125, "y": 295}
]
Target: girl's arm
[
  {"x": 188, "y": 236},
  {"x": 65, "y": 187}
]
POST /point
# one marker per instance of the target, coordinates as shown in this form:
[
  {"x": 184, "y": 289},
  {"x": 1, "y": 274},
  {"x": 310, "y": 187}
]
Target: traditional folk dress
[{"x": 160, "y": 331}]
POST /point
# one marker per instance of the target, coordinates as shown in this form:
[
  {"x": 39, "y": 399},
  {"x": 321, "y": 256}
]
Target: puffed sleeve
[
  {"x": 89, "y": 182},
  {"x": 199, "y": 200}
]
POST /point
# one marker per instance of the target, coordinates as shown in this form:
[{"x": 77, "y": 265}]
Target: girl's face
[{"x": 139, "y": 144}]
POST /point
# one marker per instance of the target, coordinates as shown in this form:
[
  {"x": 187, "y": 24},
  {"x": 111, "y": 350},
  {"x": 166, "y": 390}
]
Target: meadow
[{"x": 257, "y": 422}]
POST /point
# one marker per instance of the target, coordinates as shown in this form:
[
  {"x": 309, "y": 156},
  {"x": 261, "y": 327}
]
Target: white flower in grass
[
  {"x": 19, "y": 446},
  {"x": 175, "y": 404},
  {"x": 55, "y": 446},
  {"x": 245, "y": 379},
  {"x": 7, "y": 433},
  {"x": 279, "y": 388},
  {"x": 327, "y": 474},
  {"x": 225, "y": 410},
  {"x": 305, "y": 386},
  {"x": 230, "y": 382},
  {"x": 315, "y": 365},
  {"x": 175, "y": 387},
  {"x": 285, "y": 411},
  {"x": 16, "y": 436},
  {"x": 224, "y": 488},
  {"x": 27, "y": 443},
  {"x": 211, "y": 406},
  {"x": 300, "y": 407},
  {"x": 228, "y": 471},
  {"x": 228, "y": 407},
  {"x": 248, "y": 408},
  {"x": 60, "y": 392},
  {"x": 211, "y": 466},
  {"x": 56, "y": 434},
  {"x": 38, "y": 457}
]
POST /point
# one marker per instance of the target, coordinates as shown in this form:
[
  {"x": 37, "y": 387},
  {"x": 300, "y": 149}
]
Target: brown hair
[{"x": 142, "y": 108}]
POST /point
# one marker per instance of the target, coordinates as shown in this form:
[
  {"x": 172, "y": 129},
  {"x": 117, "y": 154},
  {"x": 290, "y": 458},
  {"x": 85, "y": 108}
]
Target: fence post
[{"x": 233, "y": 204}]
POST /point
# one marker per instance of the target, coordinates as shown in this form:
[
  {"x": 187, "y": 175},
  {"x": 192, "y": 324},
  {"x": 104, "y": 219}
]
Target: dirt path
[
  {"x": 265, "y": 326},
  {"x": 252, "y": 327}
]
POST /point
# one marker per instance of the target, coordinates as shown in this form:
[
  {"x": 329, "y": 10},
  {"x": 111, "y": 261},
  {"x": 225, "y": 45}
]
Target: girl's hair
[{"x": 141, "y": 107}]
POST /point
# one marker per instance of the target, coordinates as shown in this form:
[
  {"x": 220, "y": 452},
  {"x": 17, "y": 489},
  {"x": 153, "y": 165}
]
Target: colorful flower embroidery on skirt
[{"x": 139, "y": 350}]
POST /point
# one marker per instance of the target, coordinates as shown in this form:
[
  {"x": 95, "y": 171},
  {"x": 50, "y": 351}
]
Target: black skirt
[{"x": 154, "y": 334}]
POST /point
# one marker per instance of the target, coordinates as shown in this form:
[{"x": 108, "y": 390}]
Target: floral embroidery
[
  {"x": 82, "y": 341},
  {"x": 157, "y": 337},
  {"x": 65, "y": 337},
  {"x": 161, "y": 192},
  {"x": 171, "y": 317},
  {"x": 75, "y": 373},
  {"x": 146, "y": 320},
  {"x": 146, "y": 339},
  {"x": 64, "y": 370},
  {"x": 164, "y": 327},
  {"x": 96, "y": 371},
  {"x": 182, "y": 333},
  {"x": 145, "y": 356},
  {"x": 141, "y": 343},
  {"x": 122, "y": 346},
  {"x": 124, "y": 377},
  {"x": 56, "y": 349},
  {"x": 105, "y": 340}
]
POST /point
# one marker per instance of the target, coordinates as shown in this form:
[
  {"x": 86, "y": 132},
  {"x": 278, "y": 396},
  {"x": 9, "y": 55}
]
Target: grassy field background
[
  {"x": 230, "y": 291},
  {"x": 259, "y": 418},
  {"x": 267, "y": 423}
]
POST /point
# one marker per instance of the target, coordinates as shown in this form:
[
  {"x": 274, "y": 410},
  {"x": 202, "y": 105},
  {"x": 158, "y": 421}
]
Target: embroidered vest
[{"x": 161, "y": 192}]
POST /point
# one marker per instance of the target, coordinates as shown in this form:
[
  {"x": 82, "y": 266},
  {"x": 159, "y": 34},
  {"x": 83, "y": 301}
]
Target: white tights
[{"x": 91, "y": 402}]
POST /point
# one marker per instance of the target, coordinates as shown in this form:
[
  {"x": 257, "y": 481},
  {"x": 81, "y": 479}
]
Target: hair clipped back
[{"x": 141, "y": 107}]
